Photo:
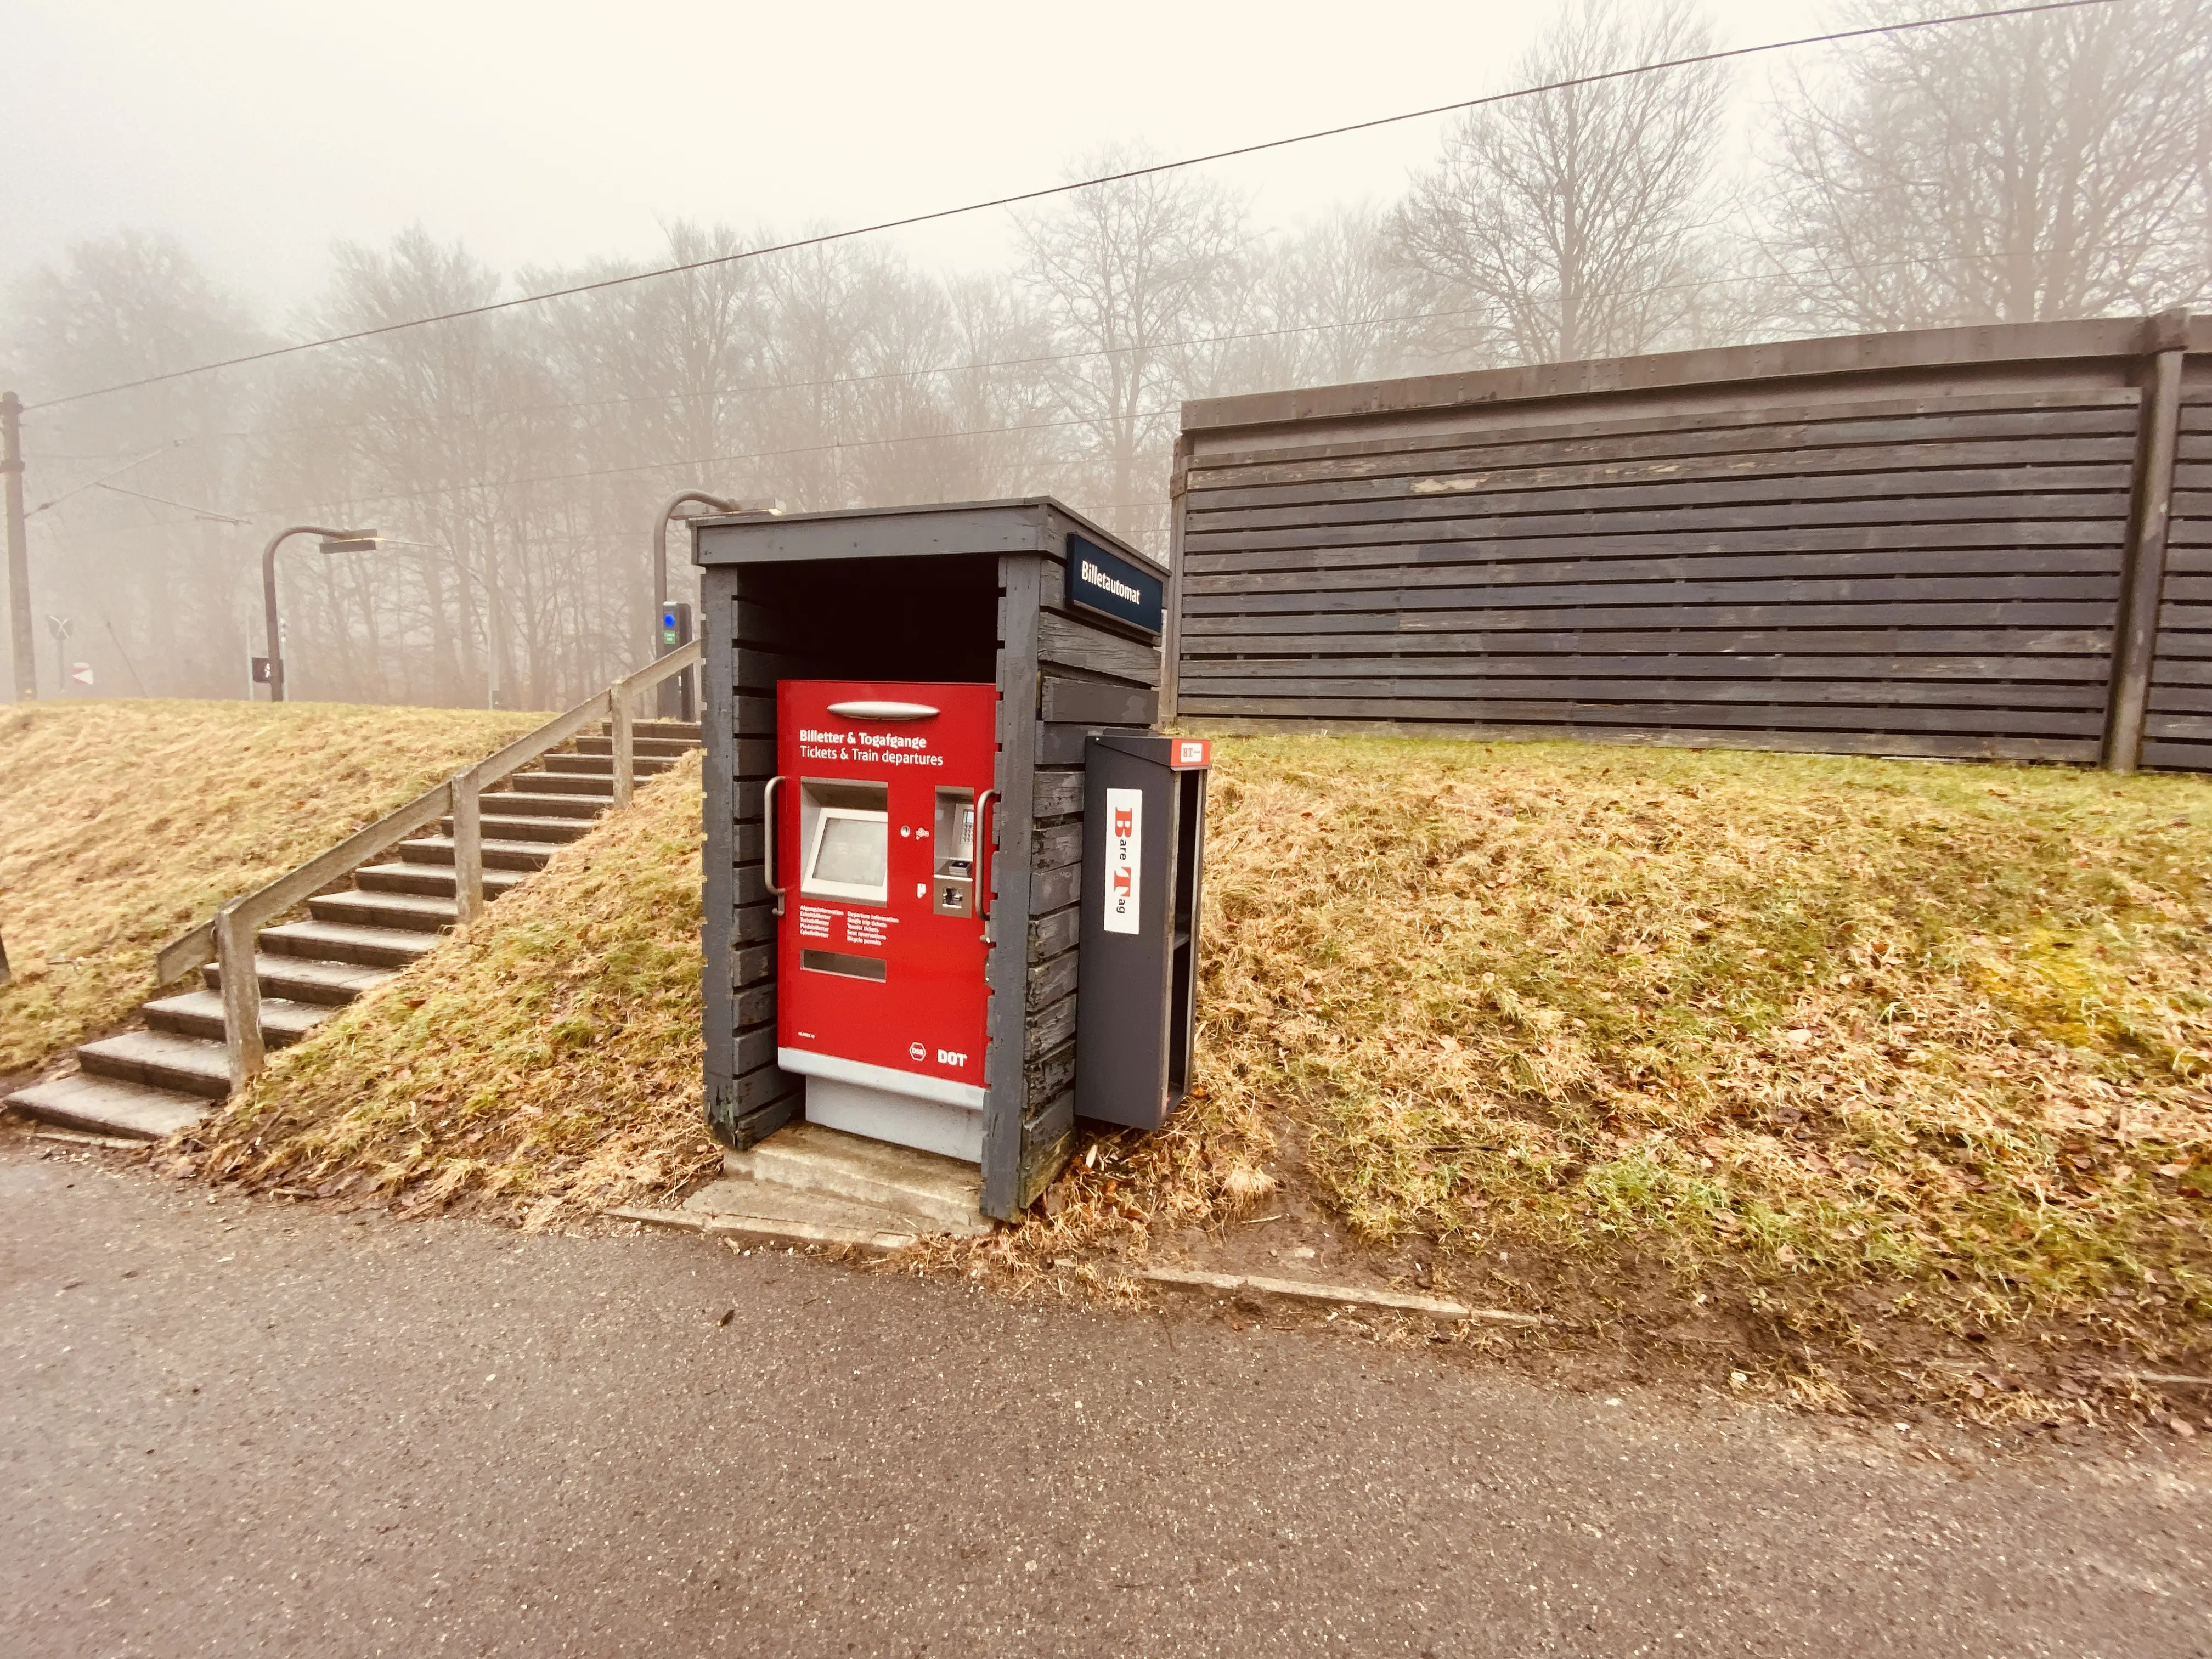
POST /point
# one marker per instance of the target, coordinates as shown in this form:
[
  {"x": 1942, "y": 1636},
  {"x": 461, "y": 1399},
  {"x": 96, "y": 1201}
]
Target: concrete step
[
  {"x": 565, "y": 783},
  {"x": 199, "y": 1014},
  {"x": 641, "y": 768},
  {"x": 332, "y": 943},
  {"x": 520, "y": 825},
  {"x": 97, "y": 1105},
  {"x": 298, "y": 979},
  {"x": 433, "y": 880},
  {"x": 518, "y": 855},
  {"x": 640, "y": 749},
  {"x": 926, "y": 1191},
  {"x": 505, "y": 803},
  {"x": 770, "y": 1205},
  {"x": 161, "y": 1060},
  {"x": 415, "y": 912}
]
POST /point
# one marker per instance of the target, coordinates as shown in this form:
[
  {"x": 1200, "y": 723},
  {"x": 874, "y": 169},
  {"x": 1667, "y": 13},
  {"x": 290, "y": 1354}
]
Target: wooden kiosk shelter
[{"x": 973, "y": 591}]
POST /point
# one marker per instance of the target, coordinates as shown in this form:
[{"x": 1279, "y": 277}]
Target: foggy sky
[{"x": 259, "y": 132}]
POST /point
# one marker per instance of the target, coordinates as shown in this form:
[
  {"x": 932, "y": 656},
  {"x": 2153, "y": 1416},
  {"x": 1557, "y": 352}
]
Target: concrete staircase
[{"x": 147, "y": 1083}]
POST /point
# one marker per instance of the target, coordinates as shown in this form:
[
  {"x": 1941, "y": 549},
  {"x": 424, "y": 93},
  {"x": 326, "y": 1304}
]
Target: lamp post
[
  {"x": 678, "y": 692},
  {"x": 334, "y": 541},
  {"x": 660, "y": 556}
]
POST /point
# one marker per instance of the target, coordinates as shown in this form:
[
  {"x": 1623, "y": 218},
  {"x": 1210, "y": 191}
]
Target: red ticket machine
[{"x": 880, "y": 816}]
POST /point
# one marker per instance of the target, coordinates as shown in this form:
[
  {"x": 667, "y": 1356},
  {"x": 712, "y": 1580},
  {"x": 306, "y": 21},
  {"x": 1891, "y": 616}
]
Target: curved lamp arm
[{"x": 269, "y": 592}]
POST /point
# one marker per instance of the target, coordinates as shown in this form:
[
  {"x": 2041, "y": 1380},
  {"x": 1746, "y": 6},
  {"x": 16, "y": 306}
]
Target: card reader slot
[{"x": 841, "y": 962}]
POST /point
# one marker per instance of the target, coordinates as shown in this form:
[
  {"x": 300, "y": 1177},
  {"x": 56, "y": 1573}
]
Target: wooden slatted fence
[
  {"x": 2178, "y": 730},
  {"x": 1910, "y": 544}
]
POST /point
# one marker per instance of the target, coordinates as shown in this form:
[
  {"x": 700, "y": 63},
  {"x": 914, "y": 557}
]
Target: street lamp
[
  {"x": 334, "y": 541},
  {"x": 675, "y": 697}
]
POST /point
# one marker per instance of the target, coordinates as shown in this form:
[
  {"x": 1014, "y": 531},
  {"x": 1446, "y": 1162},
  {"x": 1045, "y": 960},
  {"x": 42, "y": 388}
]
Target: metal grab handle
[
  {"x": 986, "y": 827},
  {"x": 767, "y": 839}
]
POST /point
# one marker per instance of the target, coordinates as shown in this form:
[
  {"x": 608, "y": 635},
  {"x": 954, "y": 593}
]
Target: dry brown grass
[
  {"x": 123, "y": 823},
  {"x": 1936, "y": 1036},
  {"x": 544, "y": 1061},
  {"x": 1830, "y": 1019}
]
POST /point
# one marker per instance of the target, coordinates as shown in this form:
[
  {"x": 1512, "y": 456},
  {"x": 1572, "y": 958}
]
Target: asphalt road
[{"x": 231, "y": 1428}]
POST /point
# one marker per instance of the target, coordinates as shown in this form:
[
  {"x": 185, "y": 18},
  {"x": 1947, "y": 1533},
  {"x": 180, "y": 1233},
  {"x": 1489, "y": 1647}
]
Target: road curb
[
  {"x": 1351, "y": 1295},
  {"x": 764, "y": 1229}
]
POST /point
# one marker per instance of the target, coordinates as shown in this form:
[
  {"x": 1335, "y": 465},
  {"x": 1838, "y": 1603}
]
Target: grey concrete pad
[
  {"x": 767, "y": 1200},
  {"x": 109, "y": 1106},
  {"x": 199, "y": 1014},
  {"x": 161, "y": 1061},
  {"x": 941, "y": 1194},
  {"x": 336, "y": 942},
  {"x": 303, "y": 979}
]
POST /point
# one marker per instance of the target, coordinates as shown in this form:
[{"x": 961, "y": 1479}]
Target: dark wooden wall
[
  {"x": 1090, "y": 678},
  {"x": 1914, "y": 545},
  {"x": 2178, "y": 730},
  {"x": 853, "y": 621},
  {"x": 967, "y": 592}
]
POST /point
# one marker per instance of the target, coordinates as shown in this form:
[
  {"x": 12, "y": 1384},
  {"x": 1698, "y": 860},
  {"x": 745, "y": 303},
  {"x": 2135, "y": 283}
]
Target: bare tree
[
  {"x": 114, "y": 469},
  {"x": 1570, "y": 224},
  {"x": 2008, "y": 171},
  {"x": 658, "y": 372},
  {"x": 1127, "y": 274},
  {"x": 1327, "y": 304}
]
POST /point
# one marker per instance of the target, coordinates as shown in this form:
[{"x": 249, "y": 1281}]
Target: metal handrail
[{"x": 229, "y": 936}]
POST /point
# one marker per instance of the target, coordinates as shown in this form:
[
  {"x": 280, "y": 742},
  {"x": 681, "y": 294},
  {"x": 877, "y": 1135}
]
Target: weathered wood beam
[{"x": 2143, "y": 573}]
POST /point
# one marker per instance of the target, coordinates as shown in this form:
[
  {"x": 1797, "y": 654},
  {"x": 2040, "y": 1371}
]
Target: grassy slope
[
  {"x": 547, "y": 1057},
  {"x": 1846, "y": 1019},
  {"x": 1935, "y": 1035},
  {"x": 123, "y": 822}
]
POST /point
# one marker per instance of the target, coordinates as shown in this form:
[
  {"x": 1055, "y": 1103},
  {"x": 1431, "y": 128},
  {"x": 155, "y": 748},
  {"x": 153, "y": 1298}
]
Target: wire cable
[{"x": 1020, "y": 197}]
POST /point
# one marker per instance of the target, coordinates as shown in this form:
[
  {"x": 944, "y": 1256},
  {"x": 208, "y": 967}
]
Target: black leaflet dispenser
[{"x": 1143, "y": 840}]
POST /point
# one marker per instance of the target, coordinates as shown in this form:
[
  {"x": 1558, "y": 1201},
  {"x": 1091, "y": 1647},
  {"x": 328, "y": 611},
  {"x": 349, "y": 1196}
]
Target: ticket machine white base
[{"x": 884, "y": 1105}]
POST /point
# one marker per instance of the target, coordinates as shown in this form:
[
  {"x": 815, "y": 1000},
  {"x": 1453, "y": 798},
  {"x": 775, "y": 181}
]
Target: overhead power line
[
  {"x": 1041, "y": 194},
  {"x": 745, "y": 388}
]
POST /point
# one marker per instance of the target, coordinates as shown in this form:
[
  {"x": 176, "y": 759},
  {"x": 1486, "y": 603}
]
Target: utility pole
[{"x": 19, "y": 558}]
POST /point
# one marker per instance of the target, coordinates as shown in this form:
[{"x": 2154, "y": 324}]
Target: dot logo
[{"x": 917, "y": 1051}]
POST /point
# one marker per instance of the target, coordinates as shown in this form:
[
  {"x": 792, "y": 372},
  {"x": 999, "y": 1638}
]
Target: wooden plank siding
[
  {"x": 1910, "y": 545},
  {"x": 2178, "y": 732},
  {"x": 965, "y": 591},
  {"x": 1090, "y": 679},
  {"x": 748, "y": 1096}
]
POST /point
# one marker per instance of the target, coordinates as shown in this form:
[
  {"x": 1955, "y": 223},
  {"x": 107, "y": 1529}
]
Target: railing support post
[
  {"x": 468, "y": 848},
  {"x": 2142, "y": 561},
  {"x": 235, "y": 938},
  {"x": 625, "y": 742}
]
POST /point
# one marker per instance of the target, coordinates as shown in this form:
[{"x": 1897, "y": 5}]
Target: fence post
[
  {"x": 625, "y": 741},
  {"x": 1171, "y": 626},
  {"x": 468, "y": 849},
  {"x": 234, "y": 940},
  {"x": 2142, "y": 563}
]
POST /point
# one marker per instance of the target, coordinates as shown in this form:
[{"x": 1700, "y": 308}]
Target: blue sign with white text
[{"x": 1111, "y": 586}]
